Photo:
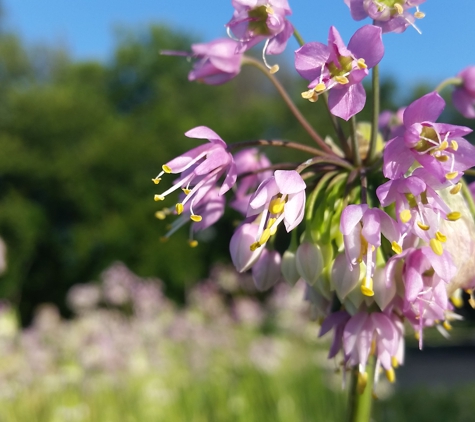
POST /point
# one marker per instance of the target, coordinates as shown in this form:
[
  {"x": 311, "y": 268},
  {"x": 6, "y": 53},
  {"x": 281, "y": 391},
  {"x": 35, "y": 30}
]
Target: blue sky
[{"x": 86, "y": 28}]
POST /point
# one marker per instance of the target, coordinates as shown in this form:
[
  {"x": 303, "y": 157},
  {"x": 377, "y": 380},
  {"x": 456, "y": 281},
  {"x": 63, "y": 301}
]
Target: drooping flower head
[
  {"x": 278, "y": 198},
  {"x": 438, "y": 147},
  {"x": 217, "y": 61},
  {"x": 390, "y": 15},
  {"x": 254, "y": 21},
  {"x": 463, "y": 96},
  {"x": 340, "y": 69},
  {"x": 200, "y": 169}
]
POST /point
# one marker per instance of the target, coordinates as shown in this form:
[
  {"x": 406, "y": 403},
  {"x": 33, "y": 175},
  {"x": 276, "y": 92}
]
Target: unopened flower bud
[{"x": 309, "y": 262}]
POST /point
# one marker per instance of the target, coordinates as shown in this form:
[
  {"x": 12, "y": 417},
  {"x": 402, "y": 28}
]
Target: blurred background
[{"x": 100, "y": 320}]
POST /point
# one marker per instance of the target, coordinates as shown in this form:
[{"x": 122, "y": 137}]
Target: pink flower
[
  {"x": 463, "y": 96},
  {"x": 200, "y": 169},
  {"x": 256, "y": 20},
  {"x": 278, "y": 198},
  {"x": 266, "y": 271},
  {"x": 339, "y": 69}
]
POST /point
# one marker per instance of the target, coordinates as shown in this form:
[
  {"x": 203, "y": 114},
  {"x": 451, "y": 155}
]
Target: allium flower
[
  {"x": 242, "y": 255},
  {"x": 200, "y": 169},
  {"x": 438, "y": 147},
  {"x": 463, "y": 96},
  {"x": 249, "y": 162},
  {"x": 278, "y": 198},
  {"x": 266, "y": 271},
  {"x": 361, "y": 228},
  {"x": 217, "y": 61},
  {"x": 256, "y": 20},
  {"x": 390, "y": 15},
  {"x": 339, "y": 69}
]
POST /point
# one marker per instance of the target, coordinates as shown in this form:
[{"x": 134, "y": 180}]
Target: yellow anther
[
  {"x": 270, "y": 221},
  {"x": 310, "y": 95},
  {"x": 419, "y": 15},
  {"x": 269, "y": 10},
  {"x": 342, "y": 80},
  {"x": 396, "y": 247},
  {"x": 160, "y": 215},
  {"x": 361, "y": 64},
  {"x": 273, "y": 230},
  {"x": 452, "y": 175},
  {"x": 158, "y": 198},
  {"x": 424, "y": 227},
  {"x": 186, "y": 191},
  {"x": 456, "y": 189},
  {"x": 264, "y": 237},
  {"x": 417, "y": 336},
  {"x": 193, "y": 243},
  {"x": 440, "y": 237},
  {"x": 442, "y": 158},
  {"x": 320, "y": 87},
  {"x": 453, "y": 216},
  {"x": 276, "y": 206},
  {"x": 361, "y": 382},
  {"x": 156, "y": 180},
  {"x": 443, "y": 146},
  {"x": 436, "y": 246},
  {"x": 254, "y": 246},
  {"x": 166, "y": 169},
  {"x": 367, "y": 287},
  {"x": 446, "y": 324},
  {"x": 456, "y": 298},
  {"x": 196, "y": 218},
  {"x": 454, "y": 145},
  {"x": 394, "y": 362},
  {"x": 274, "y": 69},
  {"x": 179, "y": 208},
  {"x": 399, "y": 8},
  {"x": 391, "y": 375},
  {"x": 405, "y": 216}
]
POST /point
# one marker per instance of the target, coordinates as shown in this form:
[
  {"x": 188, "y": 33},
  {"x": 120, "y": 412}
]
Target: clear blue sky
[{"x": 86, "y": 28}]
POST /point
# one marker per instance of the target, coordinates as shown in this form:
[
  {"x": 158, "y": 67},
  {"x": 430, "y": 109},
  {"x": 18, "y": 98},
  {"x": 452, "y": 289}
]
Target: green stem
[
  {"x": 375, "y": 120},
  {"x": 468, "y": 197},
  {"x": 448, "y": 82},
  {"x": 296, "y": 112},
  {"x": 298, "y": 37},
  {"x": 354, "y": 143},
  {"x": 343, "y": 144},
  {"x": 359, "y": 402},
  {"x": 325, "y": 160}
]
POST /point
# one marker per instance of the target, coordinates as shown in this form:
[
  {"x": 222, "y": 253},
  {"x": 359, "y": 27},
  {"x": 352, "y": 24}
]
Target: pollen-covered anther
[
  {"x": 456, "y": 189},
  {"x": 264, "y": 237},
  {"x": 156, "y": 180},
  {"x": 342, "y": 80},
  {"x": 396, "y": 247},
  {"x": 276, "y": 206},
  {"x": 254, "y": 246},
  {"x": 157, "y": 198},
  {"x": 454, "y": 215},
  {"x": 166, "y": 169},
  {"x": 361, "y": 64},
  {"x": 320, "y": 87},
  {"x": 399, "y": 9},
  {"x": 440, "y": 237},
  {"x": 160, "y": 215},
  {"x": 454, "y": 145},
  {"x": 451, "y": 175},
  {"x": 394, "y": 362},
  {"x": 457, "y": 298},
  {"x": 179, "y": 208},
  {"x": 446, "y": 324},
  {"x": 269, "y": 10},
  {"x": 196, "y": 218},
  {"x": 310, "y": 95},
  {"x": 367, "y": 287},
  {"x": 186, "y": 191},
  {"x": 274, "y": 69},
  {"x": 442, "y": 158},
  {"x": 436, "y": 246},
  {"x": 391, "y": 375},
  {"x": 193, "y": 243},
  {"x": 424, "y": 227},
  {"x": 443, "y": 146},
  {"x": 419, "y": 15},
  {"x": 405, "y": 216}
]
